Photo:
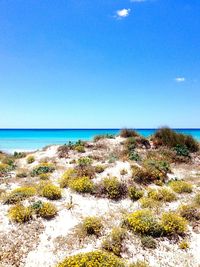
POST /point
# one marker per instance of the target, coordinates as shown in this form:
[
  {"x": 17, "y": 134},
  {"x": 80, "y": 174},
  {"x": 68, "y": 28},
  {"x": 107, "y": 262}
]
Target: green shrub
[
  {"x": 144, "y": 222},
  {"x": 170, "y": 138},
  {"x": 19, "y": 155},
  {"x": 183, "y": 244},
  {"x": 22, "y": 173},
  {"x": 82, "y": 185},
  {"x": 162, "y": 194},
  {"x": 197, "y": 199},
  {"x": 147, "y": 202},
  {"x": 181, "y": 186},
  {"x": 30, "y": 159},
  {"x": 4, "y": 168},
  {"x": 92, "y": 259},
  {"x": 112, "y": 188},
  {"x": 139, "y": 264},
  {"x": 103, "y": 136},
  {"x": 182, "y": 150},
  {"x": 92, "y": 226},
  {"x": 44, "y": 176},
  {"x": 148, "y": 242},
  {"x": 84, "y": 161},
  {"x": 20, "y": 214},
  {"x": 189, "y": 212},
  {"x": 99, "y": 168},
  {"x": 113, "y": 242},
  {"x": 19, "y": 194},
  {"x": 135, "y": 193},
  {"x": 67, "y": 176},
  {"x": 47, "y": 210},
  {"x": 172, "y": 223},
  {"x": 49, "y": 191},
  {"x": 125, "y": 133},
  {"x": 80, "y": 149},
  {"x": 43, "y": 168}
]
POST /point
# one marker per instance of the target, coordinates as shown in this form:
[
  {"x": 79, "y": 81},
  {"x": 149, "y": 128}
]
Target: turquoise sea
[{"x": 32, "y": 139}]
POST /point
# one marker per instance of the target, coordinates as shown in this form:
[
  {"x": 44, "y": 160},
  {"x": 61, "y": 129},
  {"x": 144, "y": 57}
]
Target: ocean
[{"x": 32, "y": 139}]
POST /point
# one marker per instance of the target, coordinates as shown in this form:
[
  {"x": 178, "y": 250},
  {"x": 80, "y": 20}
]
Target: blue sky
[{"x": 99, "y": 63}]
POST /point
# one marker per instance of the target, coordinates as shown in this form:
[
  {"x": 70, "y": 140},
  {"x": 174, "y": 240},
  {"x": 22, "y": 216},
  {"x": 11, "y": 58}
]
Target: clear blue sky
[{"x": 99, "y": 63}]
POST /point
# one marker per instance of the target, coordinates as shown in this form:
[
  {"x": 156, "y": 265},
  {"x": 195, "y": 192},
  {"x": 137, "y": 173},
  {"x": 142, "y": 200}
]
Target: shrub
[
  {"x": 103, "y": 136},
  {"x": 113, "y": 242},
  {"x": 4, "y": 168},
  {"x": 183, "y": 244},
  {"x": 8, "y": 160},
  {"x": 144, "y": 222},
  {"x": 163, "y": 194},
  {"x": 172, "y": 223},
  {"x": 19, "y": 194},
  {"x": 182, "y": 150},
  {"x": 123, "y": 172},
  {"x": 63, "y": 151},
  {"x": 92, "y": 226},
  {"x": 47, "y": 210},
  {"x": 20, "y": 214},
  {"x": 80, "y": 149},
  {"x": 22, "y": 173},
  {"x": 81, "y": 185},
  {"x": 170, "y": 138},
  {"x": 43, "y": 168},
  {"x": 84, "y": 161},
  {"x": 147, "y": 202},
  {"x": 44, "y": 176},
  {"x": 197, "y": 199},
  {"x": 148, "y": 242},
  {"x": 91, "y": 259},
  {"x": 19, "y": 155},
  {"x": 135, "y": 193},
  {"x": 181, "y": 186},
  {"x": 66, "y": 177},
  {"x": 49, "y": 191},
  {"x": 189, "y": 212},
  {"x": 112, "y": 188},
  {"x": 139, "y": 264},
  {"x": 99, "y": 168},
  {"x": 125, "y": 133},
  {"x": 30, "y": 159}
]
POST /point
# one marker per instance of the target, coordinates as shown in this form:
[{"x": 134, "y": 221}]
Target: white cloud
[
  {"x": 180, "y": 79},
  {"x": 123, "y": 13}
]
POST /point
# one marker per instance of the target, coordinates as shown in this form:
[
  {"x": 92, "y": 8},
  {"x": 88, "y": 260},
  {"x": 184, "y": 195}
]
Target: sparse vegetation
[
  {"x": 30, "y": 159},
  {"x": 139, "y": 264},
  {"x": 43, "y": 168},
  {"x": 173, "y": 224},
  {"x": 82, "y": 185},
  {"x": 184, "y": 244},
  {"x": 47, "y": 210},
  {"x": 135, "y": 193},
  {"x": 181, "y": 186},
  {"x": 148, "y": 242},
  {"x": 126, "y": 133},
  {"x": 19, "y": 194},
  {"x": 49, "y": 190},
  {"x": 189, "y": 212}
]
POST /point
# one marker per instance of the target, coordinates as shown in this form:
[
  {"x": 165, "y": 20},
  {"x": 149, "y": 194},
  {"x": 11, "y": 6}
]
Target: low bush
[
  {"x": 99, "y": 168},
  {"x": 92, "y": 259},
  {"x": 47, "y": 210},
  {"x": 80, "y": 148},
  {"x": 125, "y": 133},
  {"x": 144, "y": 222},
  {"x": 67, "y": 177},
  {"x": 30, "y": 159},
  {"x": 92, "y": 226},
  {"x": 112, "y": 188},
  {"x": 84, "y": 161},
  {"x": 19, "y": 155},
  {"x": 50, "y": 191},
  {"x": 182, "y": 150},
  {"x": 43, "y": 168},
  {"x": 82, "y": 185},
  {"x": 63, "y": 151},
  {"x": 173, "y": 224},
  {"x": 113, "y": 242},
  {"x": 135, "y": 193},
  {"x": 181, "y": 186},
  {"x": 197, "y": 199},
  {"x": 148, "y": 242},
  {"x": 189, "y": 212},
  {"x": 168, "y": 137},
  {"x": 4, "y": 168},
  {"x": 184, "y": 244},
  {"x": 19, "y": 194},
  {"x": 44, "y": 176},
  {"x": 22, "y": 173},
  {"x": 162, "y": 194},
  {"x": 139, "y": 264},
  {"x": 147, "y": 202},
  {"x": 103, "y": 136},
  {"x": 20, "y": 213},
  {"x": 123, "y": 172}
]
